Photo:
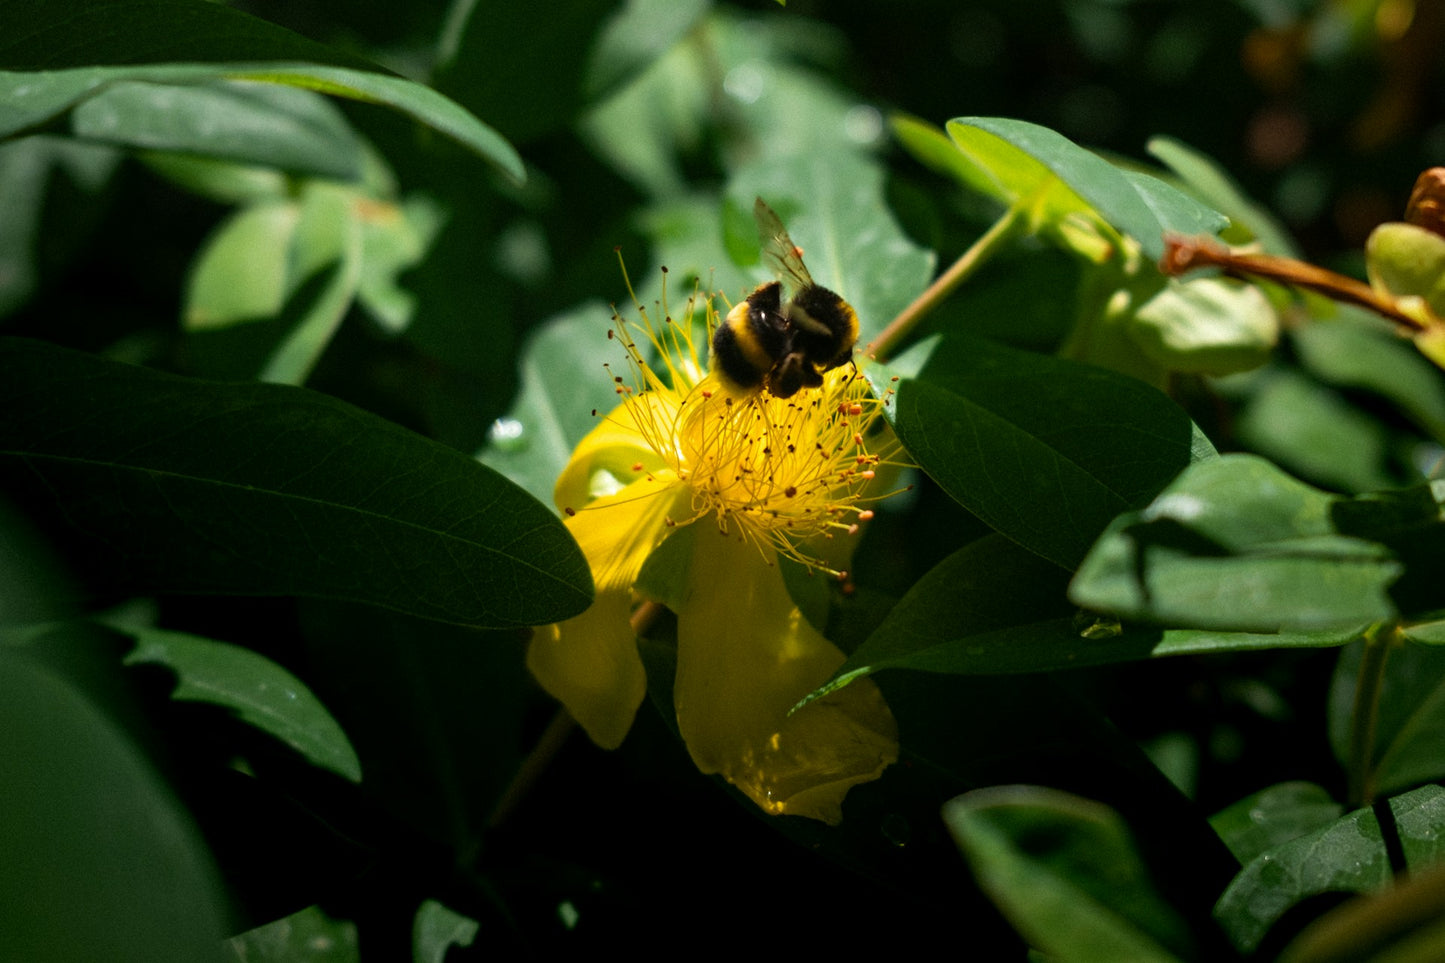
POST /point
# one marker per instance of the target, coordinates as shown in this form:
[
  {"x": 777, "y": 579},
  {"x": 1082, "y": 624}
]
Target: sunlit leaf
[
  {"x": 1206, "y": 326},
  {"x": 992, "y": 608},
  {"x": 242, "y": 272},
  {"x": 184, "y": 485},
  {"x": 1234, "y": 543},
  {"x": 1056, "y": 179}
]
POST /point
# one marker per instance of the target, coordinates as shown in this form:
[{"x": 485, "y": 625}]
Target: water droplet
[
  {"x": 745, "y": 82},
  {"x": 507, "y": 434},
  {"x": 863, "y": 125}
]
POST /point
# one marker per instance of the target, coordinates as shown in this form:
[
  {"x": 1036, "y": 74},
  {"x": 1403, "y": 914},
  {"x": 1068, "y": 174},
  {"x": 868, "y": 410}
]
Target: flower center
[{"x": 780, "y": 471}]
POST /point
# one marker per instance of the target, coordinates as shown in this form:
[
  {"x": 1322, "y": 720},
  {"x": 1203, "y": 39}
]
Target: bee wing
[{"x": 783, "y": 256}]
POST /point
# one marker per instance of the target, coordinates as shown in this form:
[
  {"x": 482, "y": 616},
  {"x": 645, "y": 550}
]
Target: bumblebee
[{"x": 783, "y": 345}]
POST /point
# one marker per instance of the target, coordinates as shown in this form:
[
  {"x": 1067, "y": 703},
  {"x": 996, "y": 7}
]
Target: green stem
[
  {"x": 978, "y": 254},
  {"x": 1364, "y": 717},
  {"x": 536, "y": 763}
]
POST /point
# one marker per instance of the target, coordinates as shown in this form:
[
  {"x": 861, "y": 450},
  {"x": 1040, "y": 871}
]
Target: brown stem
[{"x": 1182, "y": 254}]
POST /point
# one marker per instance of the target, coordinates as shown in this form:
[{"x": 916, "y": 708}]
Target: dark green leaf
[
  {"x": 640, "y": 33},
  {"x": 58, "y": 55},
  {"x": 101, "y": 859},
  {"x": 183, "y": 485},
  {"x": 257, "y": 690},
  {"x": 1046, "y": 451},
  {"x": 31, "y": 169},
  {"x": 1273, "y": 817},
  {"x": 1065, "y": 872},
  {"x": 1346, "y": 856},
  {"x": 1236, "y": 544},
  {"x": 490, "y": 62},
  {"x": 1409, "y": 744},
  {"x": 992, "y": 608},
  {"x": 435, "y": 712},
  {"x": 263, "y": 124}
]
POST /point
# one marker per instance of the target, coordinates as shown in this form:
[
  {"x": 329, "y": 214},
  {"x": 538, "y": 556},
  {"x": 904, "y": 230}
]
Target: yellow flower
[{"x": 762, "y": 476}]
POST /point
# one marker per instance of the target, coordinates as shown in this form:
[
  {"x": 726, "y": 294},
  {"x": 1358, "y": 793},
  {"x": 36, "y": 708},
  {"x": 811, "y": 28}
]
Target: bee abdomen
[{"x": 751, "y": 338}]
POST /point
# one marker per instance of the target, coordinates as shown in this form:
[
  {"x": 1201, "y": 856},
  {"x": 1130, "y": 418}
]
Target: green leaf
[
  {"x": 31, "y": 170},
  {"x": 1274, "y": 816},
  {"x": 437, "y": 929},
  {"x": 257, "y": 690},
  {"x": 1236, "y": 544},
  {"x": 1213, "y": 185},
  {"x": 562, "y": 384},
  {"x": 1402, "y": 924},
  {"x": 1316, "y": 433},
  {"x": 1356, "y": 351},
  {"x": 327, "y": 241},
  {"x": 183, "y": 485},
  {"x": 1044, "y": 450},
  {"x": 1409, "y": 744},
  {"x": 1057, "y": 180},
  {"x": 1066, "y": 874},
  {"x": 101, "y": 858},
  {"x": 242, "y": 271},
  {"x": 992, "y": 608},
  {"x": 263, "y": 124},
  {"x": 489, "y": 61},
  {"x": 931, "y": 147},
  {"x": 1348, "y": 855},
  {"x": 306, "y": 936},
  {"x": 1206, "y": 326},
  {"x": 54, "y": 56},
  {"x": 435, "y": 712}
]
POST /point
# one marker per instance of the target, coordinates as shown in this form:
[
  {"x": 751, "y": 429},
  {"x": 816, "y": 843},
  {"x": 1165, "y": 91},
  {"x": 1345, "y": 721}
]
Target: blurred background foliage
[{"x": 386, "y": 254}]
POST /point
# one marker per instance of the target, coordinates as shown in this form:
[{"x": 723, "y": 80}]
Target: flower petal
[
  {"x": 745, "y": 656},
  {"x": 590, "y": 662},
  {"x": 615, "y": 448}
]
